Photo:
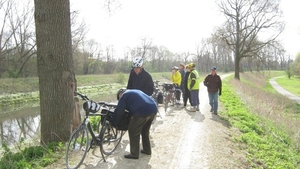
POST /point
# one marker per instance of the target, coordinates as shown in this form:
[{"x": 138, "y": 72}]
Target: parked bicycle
[
  {"x": 157, "y": 96},
  {"x": 107, "y": 138},
  {"x": 157, "y": 93},
  {"x": 169, "y": 94}
]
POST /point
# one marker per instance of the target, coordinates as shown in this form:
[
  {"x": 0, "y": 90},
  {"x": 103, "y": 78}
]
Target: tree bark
[{"x": 55, "y": 69}]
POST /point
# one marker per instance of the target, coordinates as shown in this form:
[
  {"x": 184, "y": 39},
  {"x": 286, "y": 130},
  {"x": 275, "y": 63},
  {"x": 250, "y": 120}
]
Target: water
[{"x": 22, "y": 122}]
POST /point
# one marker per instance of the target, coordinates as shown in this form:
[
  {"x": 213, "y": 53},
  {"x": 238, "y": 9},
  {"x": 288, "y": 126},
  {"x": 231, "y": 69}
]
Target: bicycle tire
[
  {"x": 77, "y": 147},
  {"x": 166, "y": 101},
  {"x": 110, "y": 138},
  {"x": 173, "y": 99},
  {"x": 99, "y": 126}
]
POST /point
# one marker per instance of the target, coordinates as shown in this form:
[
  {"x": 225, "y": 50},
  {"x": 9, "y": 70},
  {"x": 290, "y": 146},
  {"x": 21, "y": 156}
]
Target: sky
[{"x": 176, "y": 24}]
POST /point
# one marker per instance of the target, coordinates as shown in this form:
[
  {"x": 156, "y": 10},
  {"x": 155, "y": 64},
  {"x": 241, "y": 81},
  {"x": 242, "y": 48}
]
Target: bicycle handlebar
[
  {"x": 102, "y": 103},
  {"x": 83, "y": 96}
]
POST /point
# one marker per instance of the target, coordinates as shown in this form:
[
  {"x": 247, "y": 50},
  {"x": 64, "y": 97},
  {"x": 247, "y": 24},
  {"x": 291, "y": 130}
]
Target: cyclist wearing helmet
[
  {"x": 193, "y": 87},
  {"x": 143, "y": 109},
  {"x": 176, "y": 79},
  {"x": 139, "y": 78}
]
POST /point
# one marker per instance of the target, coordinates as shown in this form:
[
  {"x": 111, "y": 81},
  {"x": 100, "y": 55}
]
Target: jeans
[
  {"x": 195, "y": 97},
  {"x": 140, "y": 125},
  {"x": 213, "y": 100}
]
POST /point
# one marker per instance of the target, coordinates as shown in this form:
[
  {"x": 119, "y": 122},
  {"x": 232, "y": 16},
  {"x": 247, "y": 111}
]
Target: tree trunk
[
  {"x": 55, "y": 69},
  {"x": 237, "y": 68}
]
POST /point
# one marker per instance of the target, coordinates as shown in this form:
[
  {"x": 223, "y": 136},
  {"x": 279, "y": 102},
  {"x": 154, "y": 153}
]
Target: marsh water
[{"x": 22, "y": 122}]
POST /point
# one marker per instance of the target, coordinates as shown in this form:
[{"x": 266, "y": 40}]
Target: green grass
[
  {"x": 292, "y": 85},
  {"x": 25, "y": 90},
  {"x": 31, "y": 157},
  {"x": 266, "y": 145}
]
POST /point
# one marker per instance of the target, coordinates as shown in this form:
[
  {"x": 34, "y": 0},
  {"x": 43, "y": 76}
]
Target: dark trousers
[
  {"x": 186, "y": 97},
  {"x": 178, "y": 93},
  {"x": 140, "y": 125}
]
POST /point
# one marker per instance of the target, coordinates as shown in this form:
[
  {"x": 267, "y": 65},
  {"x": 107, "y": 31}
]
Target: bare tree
[
  {"x": 146, "y": 44},
  {"x": 6, "y": 34},
  {"x": 23, "y": 37},
  {"x": 111, "y": 6},
  {"x": 246, "y": 20},
  {"x": 55, "y": 69}
]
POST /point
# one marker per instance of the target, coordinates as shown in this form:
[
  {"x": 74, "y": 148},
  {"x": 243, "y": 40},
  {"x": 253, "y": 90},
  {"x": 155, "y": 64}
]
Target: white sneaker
[
  {"x": 192, "y": 109},
  {"x": 178, "y": 102}
]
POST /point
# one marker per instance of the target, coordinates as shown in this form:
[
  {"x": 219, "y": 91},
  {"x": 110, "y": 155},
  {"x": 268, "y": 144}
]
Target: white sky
[{"x": 176, "y": 24}]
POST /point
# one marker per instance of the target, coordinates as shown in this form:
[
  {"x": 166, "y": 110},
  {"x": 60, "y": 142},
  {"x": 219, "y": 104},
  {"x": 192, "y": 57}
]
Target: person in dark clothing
[
  {"x": 143, "y": 110},
  {"x": 139, "y": 78},
  {"x": 182, "y": 72},
  {"x": 187, "y": 95},
  {"x": 213, "y": 83}
]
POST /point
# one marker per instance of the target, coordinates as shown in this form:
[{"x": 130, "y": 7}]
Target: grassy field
[
  {"x": 267, "y": 121},
  {"x": 292, "y": 85}
]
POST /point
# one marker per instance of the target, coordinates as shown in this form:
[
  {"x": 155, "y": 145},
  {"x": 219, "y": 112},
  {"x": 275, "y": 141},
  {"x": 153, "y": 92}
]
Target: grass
[
  {"x": 292, "y": 85},
  {"x": 267, "y": 145},
  {"x": 30, "y": 157}
]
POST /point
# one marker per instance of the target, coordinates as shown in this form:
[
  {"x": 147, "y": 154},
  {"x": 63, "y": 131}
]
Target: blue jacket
[
  {"x": 143, "y": 81},
  {"x": 137, "y": 103}
]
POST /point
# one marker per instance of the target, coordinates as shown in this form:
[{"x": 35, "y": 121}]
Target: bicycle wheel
[
  {"x": 77, "y": 147},
  {"x": 166, "y": 101},
  {"x": 99, "y": 126},
  {"x": 110, "y": 138},
  {"x": 173, "y": 99}
]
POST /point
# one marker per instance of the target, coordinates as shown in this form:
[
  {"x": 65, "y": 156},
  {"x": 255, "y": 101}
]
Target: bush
[{"x": 121, "y": 78}]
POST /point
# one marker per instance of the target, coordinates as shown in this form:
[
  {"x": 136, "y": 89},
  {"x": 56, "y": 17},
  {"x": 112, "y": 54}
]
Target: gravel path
[
  {"x": 180, "y": 140},
  {"x": 283, "y": 91}
]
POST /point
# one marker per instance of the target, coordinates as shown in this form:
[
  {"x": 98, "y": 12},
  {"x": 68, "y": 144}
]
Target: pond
[{"x": 22, "y": 122}]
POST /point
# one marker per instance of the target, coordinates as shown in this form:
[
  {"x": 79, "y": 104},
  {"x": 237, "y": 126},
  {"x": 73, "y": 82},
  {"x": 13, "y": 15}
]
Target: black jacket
[{"x": 143, "y": 81}]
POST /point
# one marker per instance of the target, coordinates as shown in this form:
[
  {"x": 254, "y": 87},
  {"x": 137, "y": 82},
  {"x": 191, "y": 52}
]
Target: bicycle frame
[{"x": 86, "y": 122}]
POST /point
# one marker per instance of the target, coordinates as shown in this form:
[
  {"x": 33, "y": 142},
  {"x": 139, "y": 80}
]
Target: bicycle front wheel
[
  {"x": 165, "y": 102},
  {"x": 77, "y": 147},
  {"x": 110, "y": 138}
]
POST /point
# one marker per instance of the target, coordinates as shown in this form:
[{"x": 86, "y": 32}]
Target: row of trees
[
  {"x": 58, "y": 47},
  {"x": 235, "y": 45}
]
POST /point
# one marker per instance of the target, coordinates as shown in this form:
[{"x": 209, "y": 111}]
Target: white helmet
[{"x": 137, "y": 62}]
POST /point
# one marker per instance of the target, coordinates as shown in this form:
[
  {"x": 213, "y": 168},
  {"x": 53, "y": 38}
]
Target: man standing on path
[
  {"x": 213, "y": 83},
  {"x": 193, "y": 87},
  {"x": 143, "y": 110},
  {"x": 182, "y": 72},
  {"x": 186, "y": 92},
  {"x": 139, "y": 78}
]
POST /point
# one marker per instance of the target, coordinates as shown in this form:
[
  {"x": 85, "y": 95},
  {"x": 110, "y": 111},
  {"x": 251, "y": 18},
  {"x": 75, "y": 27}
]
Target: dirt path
[{"x": 180, "y": 140}]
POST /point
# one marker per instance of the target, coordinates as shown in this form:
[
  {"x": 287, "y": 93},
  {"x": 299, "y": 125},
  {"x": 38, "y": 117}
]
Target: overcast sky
[{"x": 176, "y": 24}]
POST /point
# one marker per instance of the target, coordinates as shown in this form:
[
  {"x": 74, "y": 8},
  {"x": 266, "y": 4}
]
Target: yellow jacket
[{"x": 176, "y": 78}]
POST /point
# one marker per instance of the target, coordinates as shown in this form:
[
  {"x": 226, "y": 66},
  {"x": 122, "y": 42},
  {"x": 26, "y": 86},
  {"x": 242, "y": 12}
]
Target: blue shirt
[{"x": 137, "y": 103}]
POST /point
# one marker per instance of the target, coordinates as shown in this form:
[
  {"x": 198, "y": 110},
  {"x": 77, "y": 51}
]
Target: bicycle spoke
[
  {"x": 77, "y": 148},
  {"x": 110, "y": 139}
]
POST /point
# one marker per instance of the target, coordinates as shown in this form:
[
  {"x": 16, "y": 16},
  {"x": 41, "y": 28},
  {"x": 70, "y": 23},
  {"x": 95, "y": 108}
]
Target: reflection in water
[
  {"x": 20, "y": 124},
  {"x": 25, "y": 123}
]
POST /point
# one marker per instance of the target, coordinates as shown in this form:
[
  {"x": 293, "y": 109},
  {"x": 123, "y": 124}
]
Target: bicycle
[
  {"x": 169, "y": 94},
  {"x": 157, "y": 96},
  {"x": 157, "y": 93},
  {"x": 108, "y": 137}
]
